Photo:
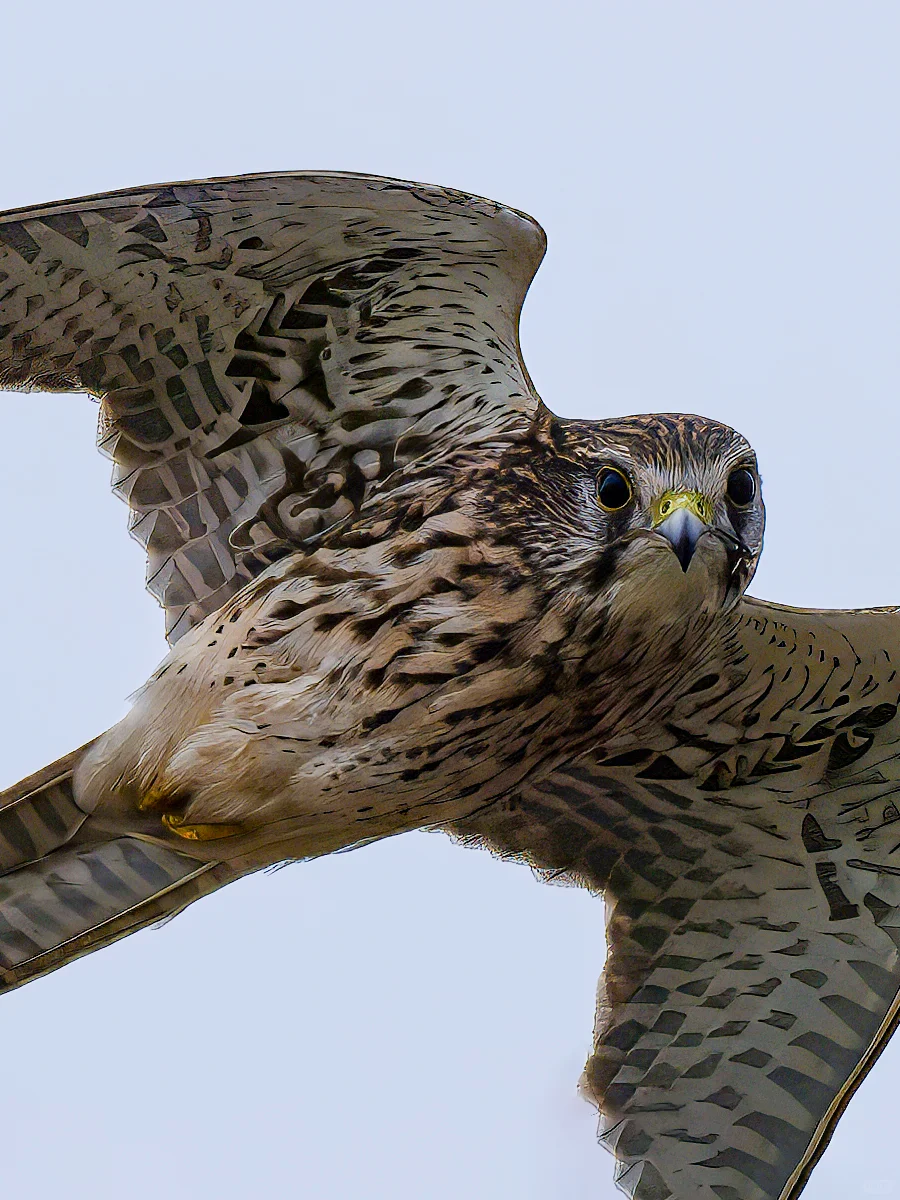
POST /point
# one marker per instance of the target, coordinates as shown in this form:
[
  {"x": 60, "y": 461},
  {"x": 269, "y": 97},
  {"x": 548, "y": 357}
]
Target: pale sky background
[{"x": 720, "y": 183}]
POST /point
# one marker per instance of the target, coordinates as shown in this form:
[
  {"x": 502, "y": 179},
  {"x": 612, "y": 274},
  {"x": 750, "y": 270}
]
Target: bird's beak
[{"x": 681, "y": 517}]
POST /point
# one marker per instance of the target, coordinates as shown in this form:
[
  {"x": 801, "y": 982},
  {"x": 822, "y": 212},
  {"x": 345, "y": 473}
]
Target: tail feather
[
  {"x": 40, "y": 813},
  {"x": 59, "y": 898}
]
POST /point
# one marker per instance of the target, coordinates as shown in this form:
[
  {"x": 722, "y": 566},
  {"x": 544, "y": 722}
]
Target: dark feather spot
[
  {"x": 328, "y": 621},
  {"x": 383, "y": 718},
  {"x": 703, "y": 684},
  {"x": 662, "y": 767},
  {"x": 843, "y": 752},
  {"x": 284, "y": 610}
]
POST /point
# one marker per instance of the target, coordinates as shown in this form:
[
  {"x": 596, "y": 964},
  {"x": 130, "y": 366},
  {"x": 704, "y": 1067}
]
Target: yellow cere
[{"x": 701, "y": 506}]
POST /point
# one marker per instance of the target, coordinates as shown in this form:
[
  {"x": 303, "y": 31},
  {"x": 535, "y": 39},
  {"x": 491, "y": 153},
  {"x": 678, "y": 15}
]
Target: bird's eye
[
  {"x": 613, "y": 489},
  {"x": 741, "y": 487}
]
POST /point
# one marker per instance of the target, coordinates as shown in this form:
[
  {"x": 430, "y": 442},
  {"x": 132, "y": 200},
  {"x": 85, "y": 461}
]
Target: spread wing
[
  {"x": 266, "y": 349},
  {"x": 750, "y": 855}
]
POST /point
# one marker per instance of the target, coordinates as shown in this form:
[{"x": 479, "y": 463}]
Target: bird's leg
[{"x": 157, "y": 797}]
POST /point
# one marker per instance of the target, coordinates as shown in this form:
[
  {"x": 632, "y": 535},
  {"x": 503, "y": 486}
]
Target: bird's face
[{"x": 664, "y": 511}]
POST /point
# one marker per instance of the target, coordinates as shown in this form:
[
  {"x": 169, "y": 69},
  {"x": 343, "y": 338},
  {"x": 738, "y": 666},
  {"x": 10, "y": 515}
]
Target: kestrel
[{"x": 401, "y": 593}]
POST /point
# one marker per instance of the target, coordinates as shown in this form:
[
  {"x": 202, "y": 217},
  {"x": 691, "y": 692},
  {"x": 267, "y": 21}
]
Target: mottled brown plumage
[{"x": 403, "y": 594}]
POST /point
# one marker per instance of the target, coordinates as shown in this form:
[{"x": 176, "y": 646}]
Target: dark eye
[
  {"x": 613, "y": 489},
  {"x": 741, "y": 487}
]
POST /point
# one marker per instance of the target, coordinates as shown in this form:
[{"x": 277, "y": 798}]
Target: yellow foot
[{"x": 198, "y": 833}]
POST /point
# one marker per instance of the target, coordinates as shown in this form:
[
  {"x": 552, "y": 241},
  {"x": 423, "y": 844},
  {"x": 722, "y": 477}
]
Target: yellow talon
[{"x": 198, "y": 833}]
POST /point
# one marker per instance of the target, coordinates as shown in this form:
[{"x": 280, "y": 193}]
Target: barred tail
[{"x": 66, "y": 889}]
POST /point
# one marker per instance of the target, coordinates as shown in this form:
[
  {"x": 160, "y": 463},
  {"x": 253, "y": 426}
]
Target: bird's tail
[{"x": 69, "y": 885}]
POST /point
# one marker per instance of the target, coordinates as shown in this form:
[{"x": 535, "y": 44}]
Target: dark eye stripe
[{"x": 613, "y": 489}]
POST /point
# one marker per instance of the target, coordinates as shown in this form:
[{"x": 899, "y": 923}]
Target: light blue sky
[{"x": 720, "y": 184}]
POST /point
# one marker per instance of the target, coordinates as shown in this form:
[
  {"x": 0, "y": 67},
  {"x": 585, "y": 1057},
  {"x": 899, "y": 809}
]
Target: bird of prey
[{"x": 401, "y": 593}]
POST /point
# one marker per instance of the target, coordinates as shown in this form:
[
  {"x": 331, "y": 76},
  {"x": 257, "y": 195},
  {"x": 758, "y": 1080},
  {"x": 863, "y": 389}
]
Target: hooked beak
[{"x": 681, "y": 518}]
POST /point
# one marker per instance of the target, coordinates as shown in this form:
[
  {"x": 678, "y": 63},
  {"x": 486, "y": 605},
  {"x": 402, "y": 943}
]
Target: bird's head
[{"x": 660, "y": 512}]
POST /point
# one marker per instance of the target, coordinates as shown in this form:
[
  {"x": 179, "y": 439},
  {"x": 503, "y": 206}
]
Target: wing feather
[
  {"x": 266, "y": 350},
  {"x": 750, "y": 856}
]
